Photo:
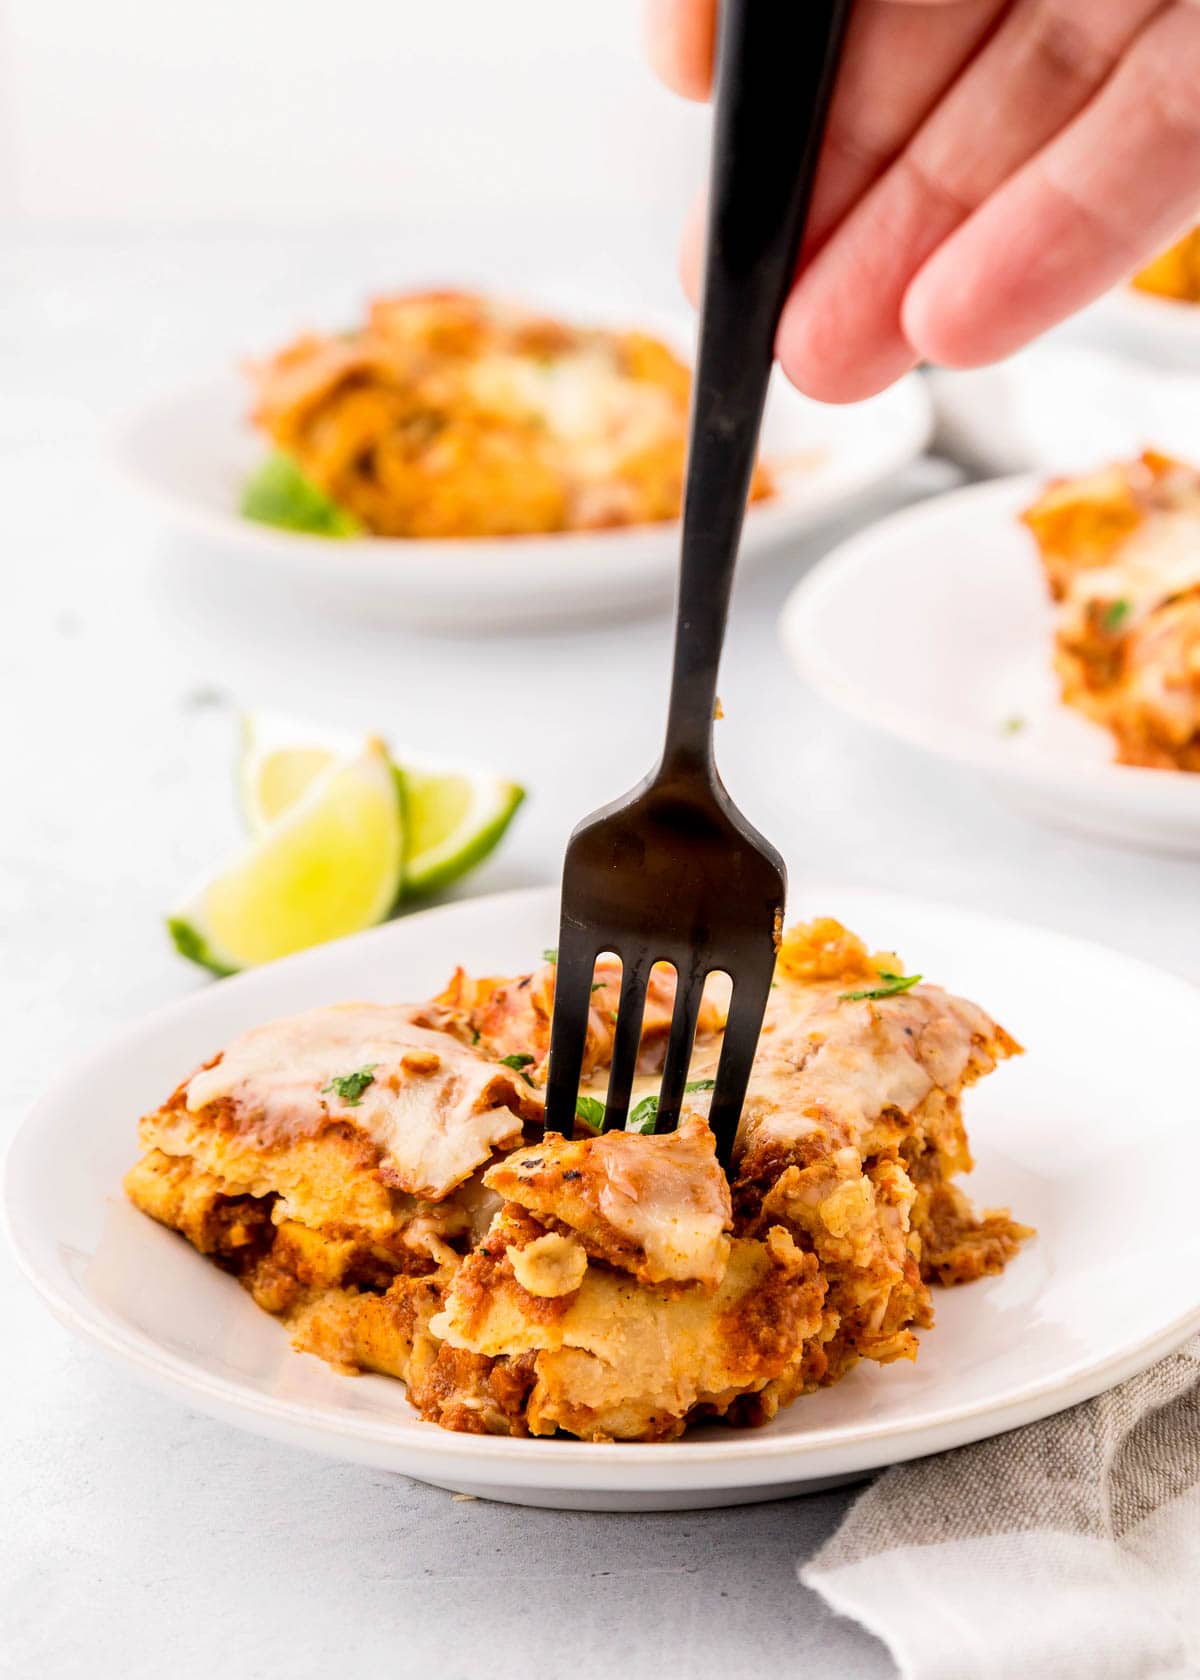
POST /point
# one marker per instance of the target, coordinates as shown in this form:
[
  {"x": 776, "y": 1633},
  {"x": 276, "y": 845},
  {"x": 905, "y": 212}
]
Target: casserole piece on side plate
[
  {"x": 376, "y": 1176},
  {"x": 1121, "y": 551},
  {"x": 447, "y": 414}
]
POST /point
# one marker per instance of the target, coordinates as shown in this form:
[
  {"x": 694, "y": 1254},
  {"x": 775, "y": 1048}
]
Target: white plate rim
[
  {"x": 798, "y": 631},
  {"x": 745, "y": 1457}
]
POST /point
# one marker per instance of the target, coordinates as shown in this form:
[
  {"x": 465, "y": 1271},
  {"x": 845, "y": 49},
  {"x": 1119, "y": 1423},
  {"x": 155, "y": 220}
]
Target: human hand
[{"x": 990, "y": 166}]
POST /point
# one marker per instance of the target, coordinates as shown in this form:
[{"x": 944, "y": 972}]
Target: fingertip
[
  {"x": 833, "y": 366},
  {"x": 842, "y": 384},
  {"x": 920, "y": 324},
  {"x": 946, "y": 322},
  {"x": 680, "y": 37}
]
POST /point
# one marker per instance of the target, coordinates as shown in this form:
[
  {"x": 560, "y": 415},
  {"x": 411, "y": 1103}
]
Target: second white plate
[
  {"x": 951, "y": 594},
  {"x": 192, "y": 451}
]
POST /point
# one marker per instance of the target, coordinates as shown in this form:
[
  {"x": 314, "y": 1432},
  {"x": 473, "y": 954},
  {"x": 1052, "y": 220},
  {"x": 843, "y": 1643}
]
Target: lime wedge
[
  {"x": 279, "y": 761},
  {"x": 329, "y": 866},
  {"x": 454, "y": 819}
]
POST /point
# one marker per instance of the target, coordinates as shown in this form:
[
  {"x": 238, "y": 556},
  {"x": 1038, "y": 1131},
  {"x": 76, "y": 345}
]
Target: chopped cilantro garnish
[
  {"x": 590, "y": 1111},
  {"x": 597, "y": 985},
  {"x": 516, "y": 1061},
  {"x": 550, "y": 954},
  {"x": 474, "y": 1035},
  {"x": 1114, "y": 615},
  {"x": 1013, "y": 725},
  {"x": 350, "y": 1086},
  {"x": 645, "y": 1115},
  {"x": 892, "y": 984}
]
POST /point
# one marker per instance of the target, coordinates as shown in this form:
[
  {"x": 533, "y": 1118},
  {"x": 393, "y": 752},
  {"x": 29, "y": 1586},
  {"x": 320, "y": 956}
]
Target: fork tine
[
  {"x": 568, "y": 1031},
  {"x": 744, "y": 1023},
  {"x": 627, "y": 1040},
  {"x": 688, "y": 995}
]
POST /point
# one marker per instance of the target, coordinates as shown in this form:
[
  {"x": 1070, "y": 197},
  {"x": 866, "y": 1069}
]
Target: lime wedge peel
[
  {"x": 455, "y": 818},
  {"x": 331, "y": 865}
]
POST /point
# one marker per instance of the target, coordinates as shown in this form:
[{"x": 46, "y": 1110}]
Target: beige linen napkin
[{"x": 1067, "y": 1550}]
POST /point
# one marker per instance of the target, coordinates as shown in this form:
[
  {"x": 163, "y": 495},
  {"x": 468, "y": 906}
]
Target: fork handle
[{"x": 776, "y": 64}]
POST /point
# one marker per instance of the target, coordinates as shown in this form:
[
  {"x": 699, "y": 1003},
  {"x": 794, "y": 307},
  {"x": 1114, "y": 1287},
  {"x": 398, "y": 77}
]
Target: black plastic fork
[{"x": 674, "y": 872}]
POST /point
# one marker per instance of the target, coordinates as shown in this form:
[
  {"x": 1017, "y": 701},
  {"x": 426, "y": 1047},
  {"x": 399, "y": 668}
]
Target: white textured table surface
[{"x": 138, "y": 1538}]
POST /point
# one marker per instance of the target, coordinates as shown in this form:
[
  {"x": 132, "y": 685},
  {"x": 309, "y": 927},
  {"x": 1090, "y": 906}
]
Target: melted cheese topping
[
  {"x": 596, "y": 413},
  {"x": 434, "y": 1108},
  {"x": 828, "y": 1064},
  {"x": 656, "y": 1206},
  {"x": 1157, "y": 561}
]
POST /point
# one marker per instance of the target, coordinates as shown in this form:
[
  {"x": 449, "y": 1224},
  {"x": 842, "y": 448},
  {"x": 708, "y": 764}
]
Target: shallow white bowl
[
  {"x": 1084, "y": 1138},
  {"x": 192, "y": 451},
  {"x": 1064, "y": 409},
  {"x": 935, "y": 626}
]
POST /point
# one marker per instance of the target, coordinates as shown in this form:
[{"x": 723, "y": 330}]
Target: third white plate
[{"x": 950, "y": 595}]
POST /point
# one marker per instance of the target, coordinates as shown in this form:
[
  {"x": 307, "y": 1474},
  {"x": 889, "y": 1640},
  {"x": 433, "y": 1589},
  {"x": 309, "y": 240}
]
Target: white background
[{"x": 331, "y": 113}]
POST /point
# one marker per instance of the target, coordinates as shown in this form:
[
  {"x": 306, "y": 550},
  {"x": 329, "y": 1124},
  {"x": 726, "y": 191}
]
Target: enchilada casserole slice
[
  {"x": 378, "y": 1178},
  {"x": 450, "y": 414},
  {"x": 1121, "y": 552}
]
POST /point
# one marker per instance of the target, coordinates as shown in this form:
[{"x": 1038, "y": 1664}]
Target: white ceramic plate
[
  {"x": 1057, "y": 408},
  {"x": 1163, "y": 331},
  {"x": 1083, "y": 1138},
  {"x": 192, "y": 451},
  {"x": 955, "y": 584}
]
